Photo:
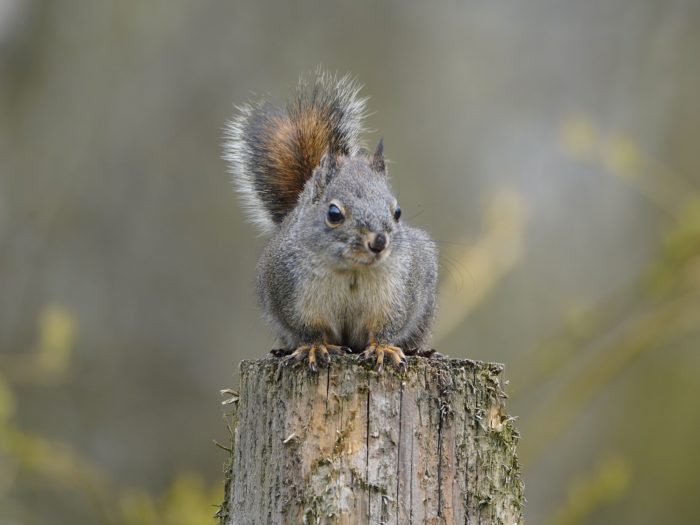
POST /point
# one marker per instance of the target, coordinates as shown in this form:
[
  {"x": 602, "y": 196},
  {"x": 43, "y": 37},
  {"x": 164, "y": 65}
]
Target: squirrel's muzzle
[{"x": 377, "y": 242}]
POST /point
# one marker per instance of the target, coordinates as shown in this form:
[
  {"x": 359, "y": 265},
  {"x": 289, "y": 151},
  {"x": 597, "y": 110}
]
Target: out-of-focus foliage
[
  {"x": 487, "y": 261},
  {"x": 606, "y": 484},
  {"x": 550, "y": 147},
  {"x": 680, "y": 265},
  {"x": 186, "y": 502}
]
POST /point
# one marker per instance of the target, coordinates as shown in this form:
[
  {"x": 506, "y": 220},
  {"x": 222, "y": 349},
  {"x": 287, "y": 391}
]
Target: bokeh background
[{"x": 551, "y": 147}]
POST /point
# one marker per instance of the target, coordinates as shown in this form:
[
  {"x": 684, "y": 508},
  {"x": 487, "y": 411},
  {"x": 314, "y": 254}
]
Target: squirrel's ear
[
  {"x": 322, "y": 175},
  {"x": 378, "y": 164},
  {"x": 328, "y": 161}
]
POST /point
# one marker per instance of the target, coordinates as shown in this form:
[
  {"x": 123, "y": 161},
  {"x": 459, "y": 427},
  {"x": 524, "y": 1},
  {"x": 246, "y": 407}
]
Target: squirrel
[{"x": 342, "y": 272}]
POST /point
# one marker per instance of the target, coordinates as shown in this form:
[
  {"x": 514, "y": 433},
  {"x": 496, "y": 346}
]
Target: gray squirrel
[{"x": 342, "y": 272}]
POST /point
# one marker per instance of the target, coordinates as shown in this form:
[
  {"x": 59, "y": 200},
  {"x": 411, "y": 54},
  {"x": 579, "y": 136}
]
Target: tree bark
[{"x": 349, "y": 445}]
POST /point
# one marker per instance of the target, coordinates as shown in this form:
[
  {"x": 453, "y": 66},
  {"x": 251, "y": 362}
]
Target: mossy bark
[{"x": 348, "y": 445}]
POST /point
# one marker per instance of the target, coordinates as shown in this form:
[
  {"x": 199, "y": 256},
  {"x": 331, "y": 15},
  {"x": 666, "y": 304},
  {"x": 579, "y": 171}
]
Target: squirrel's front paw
[
  {"x": 395, "y": 354},
  {"x": 317, "y": 354}
]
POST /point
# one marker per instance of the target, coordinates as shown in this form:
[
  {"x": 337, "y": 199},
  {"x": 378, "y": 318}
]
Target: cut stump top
[{"x": 350, "y": 445}]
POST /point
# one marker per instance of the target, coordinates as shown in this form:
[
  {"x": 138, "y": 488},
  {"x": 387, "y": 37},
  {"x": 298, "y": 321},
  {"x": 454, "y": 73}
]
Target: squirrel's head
[{"x": 351, "y": 212}]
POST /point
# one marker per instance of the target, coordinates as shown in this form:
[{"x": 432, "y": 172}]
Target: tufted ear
[
  {"x": 327, "y": 167},
  {"x": 328, "y": 161},
  {"x": 378, "y": 164}
]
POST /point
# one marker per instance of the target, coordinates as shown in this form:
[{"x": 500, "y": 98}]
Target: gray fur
[
  {"x": 239, "y": 151},
  {"x": 318, "y": 282},
  {"x": 314, "y": 288},
  {"x": 338, "y": 98}
]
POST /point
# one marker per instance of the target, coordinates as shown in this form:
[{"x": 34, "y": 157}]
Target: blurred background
[{"x": 551, "y": 147}]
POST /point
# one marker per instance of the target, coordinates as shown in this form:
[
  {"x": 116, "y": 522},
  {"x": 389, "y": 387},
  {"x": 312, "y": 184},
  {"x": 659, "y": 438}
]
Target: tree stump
[{"x": 348, "y": 445}]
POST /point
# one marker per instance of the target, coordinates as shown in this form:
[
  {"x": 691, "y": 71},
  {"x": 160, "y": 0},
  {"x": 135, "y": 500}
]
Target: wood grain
[{"x": 348, "y": 445}]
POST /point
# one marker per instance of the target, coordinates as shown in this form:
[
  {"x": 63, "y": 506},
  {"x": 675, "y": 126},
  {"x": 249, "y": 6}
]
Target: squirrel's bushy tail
[{"x": 273, "y": 152}]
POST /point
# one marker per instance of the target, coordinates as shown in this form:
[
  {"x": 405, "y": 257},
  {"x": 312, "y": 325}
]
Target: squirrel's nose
[{"x": 377, "y": 242}]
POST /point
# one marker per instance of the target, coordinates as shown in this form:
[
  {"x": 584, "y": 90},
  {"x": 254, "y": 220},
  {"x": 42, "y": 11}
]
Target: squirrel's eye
[
  {"x": 397, "y": 213},
  {"x": 335, "y": 215}
]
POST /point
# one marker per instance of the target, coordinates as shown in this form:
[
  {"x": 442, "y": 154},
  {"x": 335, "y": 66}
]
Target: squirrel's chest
[{"x": 348, "y": 306}]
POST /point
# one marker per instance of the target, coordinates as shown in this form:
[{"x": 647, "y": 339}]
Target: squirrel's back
[{"x": 273, "y": 152}]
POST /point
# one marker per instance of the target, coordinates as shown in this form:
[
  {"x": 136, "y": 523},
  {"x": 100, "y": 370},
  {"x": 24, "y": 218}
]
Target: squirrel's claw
[
  {"x": 338, "y": 350},
  {"x": 299, "y": 354},
  {"x": 379, "y": 351},
  {"x": 317, "y": 354}
]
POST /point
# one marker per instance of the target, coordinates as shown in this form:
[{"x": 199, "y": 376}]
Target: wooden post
[{"x": 350, "y": 446}]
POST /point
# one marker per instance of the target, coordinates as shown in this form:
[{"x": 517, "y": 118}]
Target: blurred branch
[
  {"x": 620, "y": 155},
  {"x": 48, "y": 361},
  {"x": 188, "y": 501},
  {"x": 58, "y": 464},
  {"x": 676, "y": 271},
  {"x": 496, "y": 253},
  {"x": 670, "y": 320},
  {"x": 582, "y": 327}
]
